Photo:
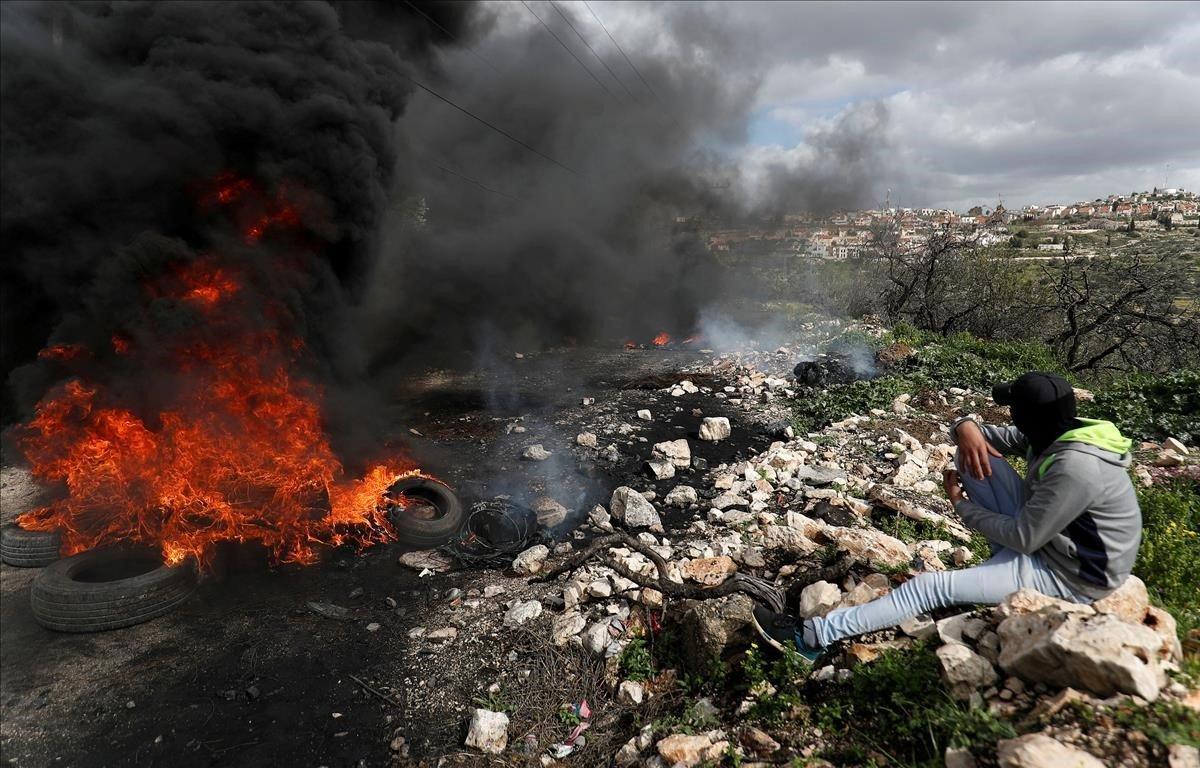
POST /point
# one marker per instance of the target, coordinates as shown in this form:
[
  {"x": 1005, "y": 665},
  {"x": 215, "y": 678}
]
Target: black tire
[
  {"x": 107, "y": 589},
  {"x": 28, "y": 549},
  {"x": 421, "y": 532}
]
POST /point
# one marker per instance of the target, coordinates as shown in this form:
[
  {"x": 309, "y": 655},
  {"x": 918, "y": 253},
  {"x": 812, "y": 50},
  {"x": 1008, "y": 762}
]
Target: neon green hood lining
[{"x": 1102, "y": 434}]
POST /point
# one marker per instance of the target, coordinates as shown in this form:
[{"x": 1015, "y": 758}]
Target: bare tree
[
  {"x": 946, "y": 282},
  {"x": 1123, "y": 313}
]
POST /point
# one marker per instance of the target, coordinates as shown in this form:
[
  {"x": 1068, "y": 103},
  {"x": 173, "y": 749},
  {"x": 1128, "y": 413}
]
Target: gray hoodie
[{"x": 1081, "y": 513}]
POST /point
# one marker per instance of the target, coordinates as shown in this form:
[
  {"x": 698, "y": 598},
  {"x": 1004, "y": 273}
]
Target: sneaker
[{"x": 781, "y": 631}]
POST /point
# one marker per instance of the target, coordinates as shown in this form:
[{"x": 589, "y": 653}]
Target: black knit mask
[{"x": 1043, "y": 407}]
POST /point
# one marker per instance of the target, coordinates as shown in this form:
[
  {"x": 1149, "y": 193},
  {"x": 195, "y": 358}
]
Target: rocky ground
[
  {"x": 859, "y": 505},
  {"x": 623, "y": 635}
]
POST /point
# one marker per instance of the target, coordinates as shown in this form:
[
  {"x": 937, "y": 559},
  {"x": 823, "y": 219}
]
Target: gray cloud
[{"x": 1033, "y": 101}]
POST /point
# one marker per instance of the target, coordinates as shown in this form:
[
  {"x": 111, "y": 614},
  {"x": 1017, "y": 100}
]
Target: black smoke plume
[{"x": 425, "y": 232}]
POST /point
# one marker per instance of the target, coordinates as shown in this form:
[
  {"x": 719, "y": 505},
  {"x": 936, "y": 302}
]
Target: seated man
[{"x": 1070, "y": 529}]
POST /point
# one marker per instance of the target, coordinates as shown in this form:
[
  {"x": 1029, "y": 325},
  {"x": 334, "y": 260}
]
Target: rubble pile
[{"x": 853, "y": 493}]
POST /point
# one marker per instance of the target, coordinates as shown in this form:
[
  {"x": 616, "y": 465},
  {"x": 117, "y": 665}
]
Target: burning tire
[
  {"x": 28, "y": 549},
  {"x": 108, "y": 589},
  {"x": 431, "y": 515}
]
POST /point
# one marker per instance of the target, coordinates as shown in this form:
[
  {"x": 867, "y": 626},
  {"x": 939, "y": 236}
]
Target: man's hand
[
  {"x": 974, "y": 450},
  {"x": 954, "y": 491}
]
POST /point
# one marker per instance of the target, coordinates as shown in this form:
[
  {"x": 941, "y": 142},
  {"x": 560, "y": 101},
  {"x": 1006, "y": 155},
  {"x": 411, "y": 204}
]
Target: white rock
[
  {"x": 726, "y": 500},
  {"x": 522, "y": 612},
  {"x": 567, "y": 626},
  {"x": 871, "y": 546},
  {"x": 1037, "y": 750},
  {"x": 599, "y": 517},
  {"x": 959, "y": 757},
  {"x": 644, "y": 415},
  {"x": 535, "y": 453},
  {"x": 660, "y": 468},
  {"x": 550, "y": 513},
  {"x": 681, "y": 496},
  {"x": 492, "y": 590},
  {"x": 1098, "y": 653},
  {"x": 1171, "y": 444},
  {"x": 675, "y": 451},
  {"x": 631, "y": 508},
  {"x": 631, "y": 692},
  {"x": 818, "y": 599},
  {"x": 964, "y": 670},
  {"x": 600, "y": 588},
  {"x": 714, "y": 428},
  {"x": 531, "y": 560},
  {"x": 443, "y": 635},
  {"x": 596, "y": 638},
  {"x": 586, "y": 439},
  {"x": 488, "y": 731},
  {"x": 788, "y": 539}
]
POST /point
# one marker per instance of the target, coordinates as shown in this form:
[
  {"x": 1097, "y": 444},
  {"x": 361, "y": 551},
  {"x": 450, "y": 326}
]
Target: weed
[
  {"x": 898, "y": 707},
  {"x": 494, "y": 701},
  {"x": 1164, "y": 721},
  {"x": 1151, "y": 407},
  {"x": 1169, "y": 557},
  {"x": 635, "y": 661}
]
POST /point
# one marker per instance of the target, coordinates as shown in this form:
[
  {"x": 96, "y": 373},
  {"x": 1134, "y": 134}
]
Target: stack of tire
[
  {"x": 28, "y": 549},
  {"x": 95, "y": 590}
]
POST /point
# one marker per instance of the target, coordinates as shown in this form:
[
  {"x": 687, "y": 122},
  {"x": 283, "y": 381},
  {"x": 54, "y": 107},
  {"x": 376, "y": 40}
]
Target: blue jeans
[{"x": 989, "y": 582}]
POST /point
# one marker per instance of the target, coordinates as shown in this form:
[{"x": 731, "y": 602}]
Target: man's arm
[
  {"x": 1063, "y": 493},
  {"x": 1010, "y": 441}
]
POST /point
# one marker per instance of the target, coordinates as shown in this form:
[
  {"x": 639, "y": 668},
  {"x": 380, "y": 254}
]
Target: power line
[
  {"x": 578, "y": 60},
  {"x": 590, "y": 48},
  {"x": 449, "y": 34},
  {"x": 467, "y": 178},
  {"x": 498, "y": 130},
  {"x": 619, "y": 48}
]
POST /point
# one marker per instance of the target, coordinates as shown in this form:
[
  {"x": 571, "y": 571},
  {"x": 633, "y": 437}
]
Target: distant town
[{"x": 1041, "y": 228}]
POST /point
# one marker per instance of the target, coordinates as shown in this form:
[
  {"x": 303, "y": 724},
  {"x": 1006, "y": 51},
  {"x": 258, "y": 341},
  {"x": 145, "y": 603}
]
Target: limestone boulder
[
  {"x": 488, "y": 731},
  {"x": 675, "y": 451},
  {"x": 1037, "y": 750},
  {"x": 784, "y": 538},
  {"x": 1127, "y": 602},
  {"x": 1100, "y": 654},
  {"x": 869, "y": 546},
  {"x": 709, "y": 571},
  {"x": 818, "y": 599},
  {"x": 710, "y": 627},
  {"x": 963, "y": 670},
  {"x": 632, "y": 509}
]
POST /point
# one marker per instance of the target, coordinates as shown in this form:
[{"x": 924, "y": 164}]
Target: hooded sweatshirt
[{"x": 1081, "y": 514}]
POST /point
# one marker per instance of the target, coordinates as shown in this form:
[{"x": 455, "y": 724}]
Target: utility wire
[
  {"x": 578, "y": 60},
  {"x": 619, "y": 48},
  {"x": 590, "y": 48},
  {"x": 498, "y": 130},
  {"x": 449, "y": 34},
  {"x": 467, "y": 178}
]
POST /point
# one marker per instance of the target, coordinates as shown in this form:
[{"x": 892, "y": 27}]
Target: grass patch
[
  {"x": 1169, "y": 558},
  {"x": 1151, "y": 407},
  {"x": 898, "y": 706},
  {"x": 937, "y": 362},
  {"x": 1165, "y": 721}
]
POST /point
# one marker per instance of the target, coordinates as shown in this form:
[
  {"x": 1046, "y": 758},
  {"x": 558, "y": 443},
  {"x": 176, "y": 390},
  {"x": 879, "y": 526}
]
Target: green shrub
[
  {"x": 635, "y": 661},
  {"x": 1169, "y": 558},
  {"x": 898, "y": 706},
  {"x": 1151, "y": 407}
]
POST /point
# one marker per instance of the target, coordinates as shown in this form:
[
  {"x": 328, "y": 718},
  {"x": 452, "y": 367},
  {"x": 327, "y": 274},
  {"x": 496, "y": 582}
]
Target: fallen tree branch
[{"x": 738, "y": 582}]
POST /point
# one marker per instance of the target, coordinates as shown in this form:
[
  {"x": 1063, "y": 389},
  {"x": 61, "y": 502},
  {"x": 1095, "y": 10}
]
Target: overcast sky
[{"x": 956, "y": 103}]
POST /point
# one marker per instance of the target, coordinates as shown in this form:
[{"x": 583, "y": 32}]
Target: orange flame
[
  {"x": 238, "y": 453},
  {"x": 662, "y": 339},
  {"x": 63, "y": 352}
]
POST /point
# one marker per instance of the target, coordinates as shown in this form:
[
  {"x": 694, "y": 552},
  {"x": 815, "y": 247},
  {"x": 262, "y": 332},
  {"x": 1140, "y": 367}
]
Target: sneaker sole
[{"x": 766, "y": 636}]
